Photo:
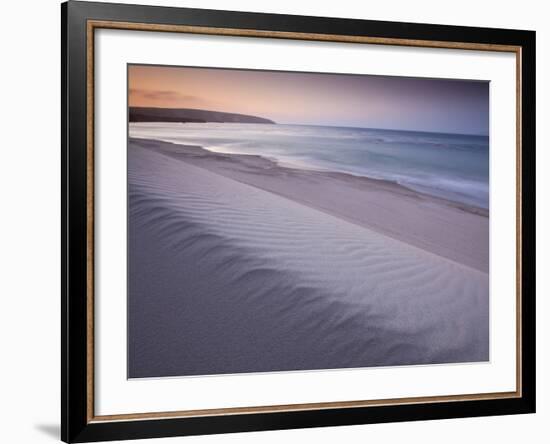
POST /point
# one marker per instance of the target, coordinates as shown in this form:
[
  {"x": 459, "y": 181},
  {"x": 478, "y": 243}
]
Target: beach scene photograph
[{"x": 294, "y": 221}]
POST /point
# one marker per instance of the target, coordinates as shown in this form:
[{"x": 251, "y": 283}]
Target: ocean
[{"x": 452, "y": 166}]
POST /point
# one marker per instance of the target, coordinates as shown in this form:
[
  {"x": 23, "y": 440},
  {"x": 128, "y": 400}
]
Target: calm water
[{"x": 453, "y": 166}]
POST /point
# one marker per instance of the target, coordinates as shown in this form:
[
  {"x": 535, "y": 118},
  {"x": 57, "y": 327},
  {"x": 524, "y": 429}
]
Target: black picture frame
[{"x": 76, "y": 326}]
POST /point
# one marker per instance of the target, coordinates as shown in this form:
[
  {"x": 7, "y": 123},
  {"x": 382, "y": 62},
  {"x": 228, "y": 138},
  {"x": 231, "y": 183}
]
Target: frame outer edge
[
  {"x": 75, "y": 424},
  {"x": 64, "y": 273},
  {"x": 74, "y": 297},
  {"x": 528, "y": 228}
]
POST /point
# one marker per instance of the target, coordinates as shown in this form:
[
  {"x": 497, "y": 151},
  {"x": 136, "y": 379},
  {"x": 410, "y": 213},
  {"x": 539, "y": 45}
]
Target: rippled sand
[{"x": 227, "y": 277}]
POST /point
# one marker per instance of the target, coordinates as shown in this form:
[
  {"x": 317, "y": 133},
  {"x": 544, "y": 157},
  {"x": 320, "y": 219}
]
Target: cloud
[{"x": 165, "y": 96}]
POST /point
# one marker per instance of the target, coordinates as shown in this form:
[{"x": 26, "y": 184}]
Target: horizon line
[{"x": 299, "y": 124}]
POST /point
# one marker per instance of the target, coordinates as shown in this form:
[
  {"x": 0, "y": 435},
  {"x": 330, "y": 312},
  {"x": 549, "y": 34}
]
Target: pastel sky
[{"x": 416, "y": 104}]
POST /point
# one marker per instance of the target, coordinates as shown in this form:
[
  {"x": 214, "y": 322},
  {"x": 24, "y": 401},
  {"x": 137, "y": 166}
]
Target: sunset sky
[{"x": 449, "y": 106}]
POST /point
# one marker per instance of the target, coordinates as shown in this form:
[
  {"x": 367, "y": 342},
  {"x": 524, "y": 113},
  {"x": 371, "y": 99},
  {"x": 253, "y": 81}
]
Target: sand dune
[
  {"x": 226, "y": 277},
  {"x": 455, "y": 231}
]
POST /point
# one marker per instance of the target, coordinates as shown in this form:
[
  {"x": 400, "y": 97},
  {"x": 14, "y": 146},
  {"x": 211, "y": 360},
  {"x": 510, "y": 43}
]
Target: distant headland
[{"x": 138, "y": 114}]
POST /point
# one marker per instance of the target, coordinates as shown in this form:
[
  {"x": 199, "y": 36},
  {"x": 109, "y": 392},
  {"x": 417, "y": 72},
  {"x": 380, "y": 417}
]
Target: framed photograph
[{"x": 275, "y": 221}]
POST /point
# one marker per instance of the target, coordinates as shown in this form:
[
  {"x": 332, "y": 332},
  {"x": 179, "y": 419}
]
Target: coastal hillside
[{"x": 138, "y": 114}]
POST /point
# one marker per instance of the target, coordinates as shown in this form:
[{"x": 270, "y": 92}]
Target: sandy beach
[{"x": 270, "y": 268}]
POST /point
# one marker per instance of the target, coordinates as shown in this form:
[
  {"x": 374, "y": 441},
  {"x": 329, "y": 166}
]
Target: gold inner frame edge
[{"x": 97, "y": 24}]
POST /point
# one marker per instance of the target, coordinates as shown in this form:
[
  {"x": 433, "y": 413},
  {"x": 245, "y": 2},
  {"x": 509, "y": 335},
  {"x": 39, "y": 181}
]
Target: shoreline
[
  {"x": 288, "y": 164},
  {"x": 449, "y": 229}
]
